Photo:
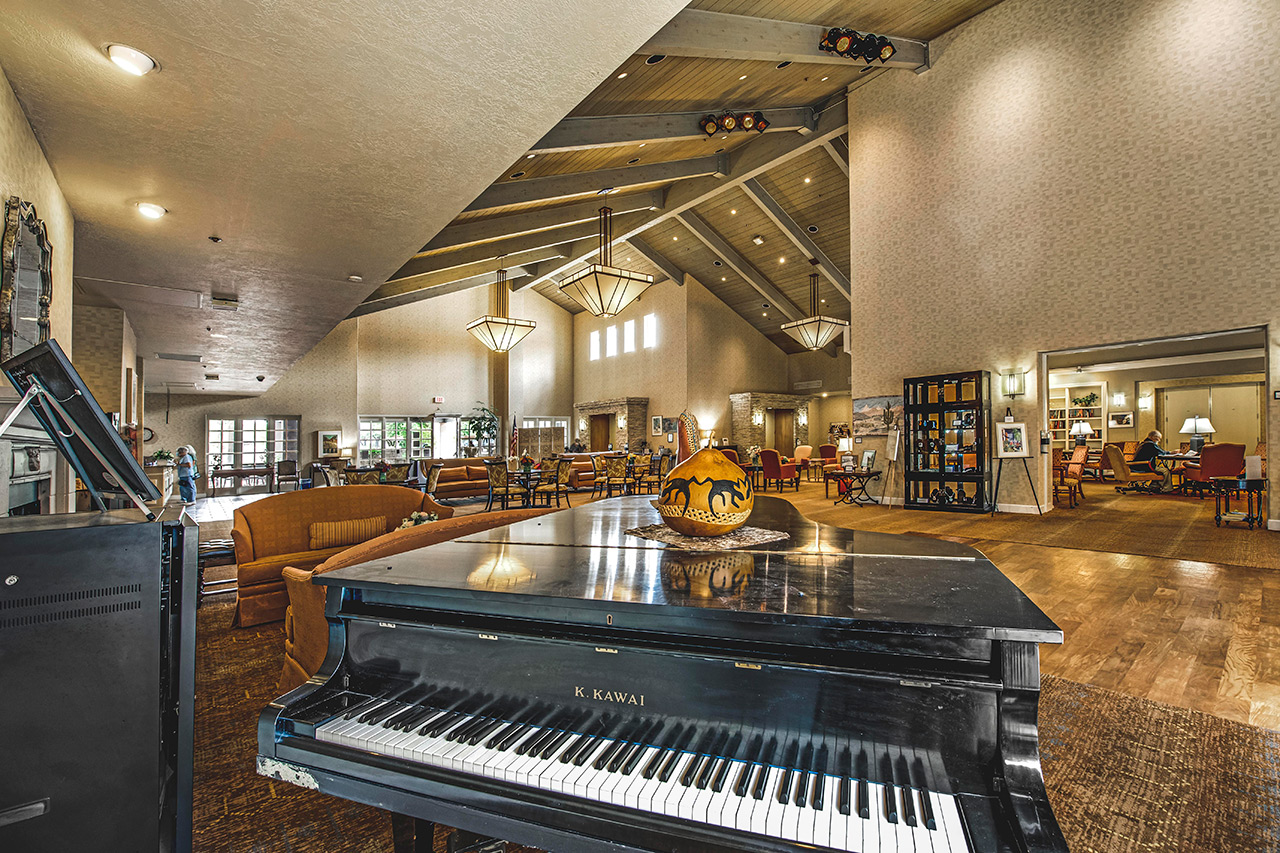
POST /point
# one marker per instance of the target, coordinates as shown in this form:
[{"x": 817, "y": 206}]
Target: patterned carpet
[{"x": 1125, "y": 775}]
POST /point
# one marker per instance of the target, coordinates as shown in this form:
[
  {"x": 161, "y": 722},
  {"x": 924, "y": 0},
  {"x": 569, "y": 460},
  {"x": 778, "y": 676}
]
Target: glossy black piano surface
[{"x": 857, "y": 665}]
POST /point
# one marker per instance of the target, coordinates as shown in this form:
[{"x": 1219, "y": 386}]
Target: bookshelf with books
[
  {"x": 1069, "y": 404},
  {"x": 947, "y": 455}
]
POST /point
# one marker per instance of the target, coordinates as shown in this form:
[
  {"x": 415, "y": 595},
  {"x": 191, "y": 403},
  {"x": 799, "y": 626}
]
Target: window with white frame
[
  {"x": 250, "y": 442},
  {"x": 385, "y": 438},
  {"x": 611, "y": 341},
  {"x": 650, "y": 331},
  {"x": 595, "y": 345},
  {"x": 629, "y": 336}
]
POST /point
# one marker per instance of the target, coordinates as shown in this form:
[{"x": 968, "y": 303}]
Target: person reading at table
[{"x": 1147, "y": 458}]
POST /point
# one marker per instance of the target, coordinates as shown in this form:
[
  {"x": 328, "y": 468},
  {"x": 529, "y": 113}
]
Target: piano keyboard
[{"x": 812, "y": 791}]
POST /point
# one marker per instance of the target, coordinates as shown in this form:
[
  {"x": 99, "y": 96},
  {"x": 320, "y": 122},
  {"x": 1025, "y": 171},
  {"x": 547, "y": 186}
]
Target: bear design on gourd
[{"x": 727, "y": 490}]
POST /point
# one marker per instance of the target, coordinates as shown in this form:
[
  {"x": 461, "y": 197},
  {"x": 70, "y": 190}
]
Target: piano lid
[{"x": 582, "y": 560}]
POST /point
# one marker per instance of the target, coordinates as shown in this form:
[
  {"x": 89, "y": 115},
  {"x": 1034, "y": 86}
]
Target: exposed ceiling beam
[
  {"x": 577, "y": 134},
  {"x": 797, "y": 235},
  {"x": 659, "y": 260},
  {"x": 841, "y": 160},
  {"x": 739, "y": 264},
  {"x": 476, "y": 267},
  {"x": 747, "y": 162},
  {"x": 716, "y": 35},
  {"x": 515, "y": 249},
  {"x": 375, "y": 303},
  {"x": 580, "y": 183},
  {"x": 533, "y": 221}
]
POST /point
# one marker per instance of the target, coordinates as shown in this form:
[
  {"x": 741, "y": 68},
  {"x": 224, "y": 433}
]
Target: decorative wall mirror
[{"x": 26, "y": 279}]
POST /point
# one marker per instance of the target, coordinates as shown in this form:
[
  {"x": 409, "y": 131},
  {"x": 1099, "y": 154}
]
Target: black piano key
[
  {"x": 462, "y": 732},
  {"x": 695, "y": 761},
  {"x": 803, "y": 769},
  {"x": 606, "y": 727},
  {"x": 908, "y": 806},
  {"x": 622, "y": 739},
  {"x": 886, "y": 789},
  {"x": 574, "y": 747},
  {"x": 437, "y": 725},
  {"x": 714, "y": 757},
  {"x": 864, "y": 791},
  {"x": 726, "y": 761},
  {"x": 677, "y": 750},
  {"x": 373, "y": 709},
  {"x": 394, "y": 720},
  {"x": 635, "y": 743},
  {"x": 748, "y": 761},
  {"x": 556, "y": 742},
  {"x": 415, "y": 719},
  {"x": 844, "y": 769},
  {"x": 387, "y": 710},
  {"x": 788, "y": 771},
  {"x": 502, "y": 740},
  {"x": 589, "y": 733},
  {"x": 485, "y": 730},
  {"x": 762, "y": 768},
  {"x": 534, "y": 745},
  {"x": 846, "y": 808},
  {"x": 818, "y": 798},
  {"x": 926, "y": 811},
  {"x": 655, "y": 763}
]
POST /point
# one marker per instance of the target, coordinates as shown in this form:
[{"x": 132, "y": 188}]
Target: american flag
[{"x": 515, "y": 435}]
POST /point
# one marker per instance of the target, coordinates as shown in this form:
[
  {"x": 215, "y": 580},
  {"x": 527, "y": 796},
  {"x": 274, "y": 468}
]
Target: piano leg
[{"x": 412, "y": 835}]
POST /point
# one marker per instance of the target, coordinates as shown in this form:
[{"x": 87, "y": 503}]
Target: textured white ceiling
[{"x": 318, "y": 139}]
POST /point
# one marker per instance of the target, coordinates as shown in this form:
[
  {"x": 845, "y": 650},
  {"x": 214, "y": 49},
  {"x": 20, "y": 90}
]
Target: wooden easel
[
  {"x": 893, "y": 457},
  {"x": 995, "y": 498}
]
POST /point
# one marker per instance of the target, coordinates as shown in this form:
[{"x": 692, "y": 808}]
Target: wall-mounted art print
[
  {"x": 655, "y": 424},
  {"x": 1120, "y": 420},
  {"x": 669, "y": 424},
  {"x": 329, "y": 442},
  {"x": 1011, "y": 441},
  {"x": 876, "y": 415}
]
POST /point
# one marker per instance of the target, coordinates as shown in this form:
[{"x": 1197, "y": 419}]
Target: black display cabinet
[
  {"x": 946, "y": 442},
  {"x": 97, "y": 663}
]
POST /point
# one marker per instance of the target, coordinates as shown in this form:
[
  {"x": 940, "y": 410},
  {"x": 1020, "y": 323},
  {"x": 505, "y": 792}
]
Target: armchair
[
  {"x": 804, "y": 455},
  {"x": 1216, "y": 460},
  {"x": 828, "y": 455},
  {"x": 773, "y": 469},
  {"x": 1132, "y": 481}
]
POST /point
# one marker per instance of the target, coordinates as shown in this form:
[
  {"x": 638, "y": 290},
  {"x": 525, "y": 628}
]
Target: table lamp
[
  {"x": 1197, "y": 427},
  {"x": 1081, "y": 430}
]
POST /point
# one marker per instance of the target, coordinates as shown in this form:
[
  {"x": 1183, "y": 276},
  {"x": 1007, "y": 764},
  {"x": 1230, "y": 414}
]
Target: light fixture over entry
[
  {"x": 497, "y": 331},
  {"x": 815, "y": 331},
  {"x": 602, "y": 288}
]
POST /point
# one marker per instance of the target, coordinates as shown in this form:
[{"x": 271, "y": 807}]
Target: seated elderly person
[{"x": 1147, "y": 459}]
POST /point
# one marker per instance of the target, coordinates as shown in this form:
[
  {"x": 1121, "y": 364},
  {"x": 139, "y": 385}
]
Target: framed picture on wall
[
  {"x": 1011, "y": 441},
  {"x": 1120, "y": 420},
  {"x": 656, "y": 424},
  {"x": 329, "y": 442}
]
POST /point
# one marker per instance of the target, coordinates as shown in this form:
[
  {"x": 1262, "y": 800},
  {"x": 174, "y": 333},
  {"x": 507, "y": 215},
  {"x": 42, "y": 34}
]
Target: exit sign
[{"x": 437, "y": 399}]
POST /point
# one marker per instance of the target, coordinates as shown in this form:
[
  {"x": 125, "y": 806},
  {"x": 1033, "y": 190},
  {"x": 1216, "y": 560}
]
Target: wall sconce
[
  {"x": 802, "y": 417},
  {"x": 757, "y": 417},
  {"x": 1117, "y": 399},
  {"x": 1013, "y": 383},
  {"x": 622, "y": 421},
  {"x": 1144, "y": 403},
  {"x": 582, "y": 425}
]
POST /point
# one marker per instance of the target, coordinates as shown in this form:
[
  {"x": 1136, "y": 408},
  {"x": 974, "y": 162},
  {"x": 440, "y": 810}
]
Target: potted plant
[{"x": 162, "y": 456}]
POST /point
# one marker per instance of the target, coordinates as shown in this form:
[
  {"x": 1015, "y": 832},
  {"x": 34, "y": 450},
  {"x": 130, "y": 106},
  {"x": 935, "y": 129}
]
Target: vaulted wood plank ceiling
[{"x": 749, "y": 232}]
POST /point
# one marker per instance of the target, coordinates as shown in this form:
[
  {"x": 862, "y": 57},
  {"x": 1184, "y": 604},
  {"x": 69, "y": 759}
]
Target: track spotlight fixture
[
  {"x": 848, "y": 43},
  {"x": 710, "y": 126},
  {"x": 728, "y": 122}
]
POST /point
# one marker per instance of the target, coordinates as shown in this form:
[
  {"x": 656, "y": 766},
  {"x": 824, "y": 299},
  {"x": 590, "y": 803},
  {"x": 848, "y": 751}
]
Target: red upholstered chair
[
  {"x": 773, "y": 469},
  {"x": 732, "y": 454},
  {"x": 827, "y": 456},
  {"x": 1216, "y": 460}
]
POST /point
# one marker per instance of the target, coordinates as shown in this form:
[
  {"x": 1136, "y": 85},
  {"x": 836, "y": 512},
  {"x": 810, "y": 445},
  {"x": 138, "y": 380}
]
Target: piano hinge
[
  {"x": 386, "y": 624},
  {"x": 603, "y": 650},
  {"x": 741, "y": 665},
  {"x": 907, "y": 682},
  {"x": 487, "y": 636}
]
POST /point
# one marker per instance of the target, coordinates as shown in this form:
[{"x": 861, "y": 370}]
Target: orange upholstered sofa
[
  {"x": 306, "y": 629},
  {"x": 459, "y": 478},
  {"x": 282, "y": 530}
]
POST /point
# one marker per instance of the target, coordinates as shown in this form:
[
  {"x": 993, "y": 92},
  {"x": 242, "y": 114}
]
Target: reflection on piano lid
[{"x": 560, "y": 684}]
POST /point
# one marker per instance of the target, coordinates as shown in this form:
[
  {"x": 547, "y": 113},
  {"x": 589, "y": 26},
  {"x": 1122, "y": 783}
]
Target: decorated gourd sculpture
[{"x": 706, "y": 495}]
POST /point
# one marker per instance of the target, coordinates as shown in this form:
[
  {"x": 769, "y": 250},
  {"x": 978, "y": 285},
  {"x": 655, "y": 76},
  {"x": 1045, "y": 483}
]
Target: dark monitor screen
[{"x": 89, "y": 430}]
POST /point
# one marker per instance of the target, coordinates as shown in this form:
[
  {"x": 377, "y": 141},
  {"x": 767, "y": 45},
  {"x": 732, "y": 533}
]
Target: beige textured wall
[
  {"x": 726, "y": 355},
  {"x": 1065, "y": 168},
  {"x": 541, "y": 367},
  {"x": 661, "y": 374},
  {"x": 833, "y": 373},
  {"x": 99, "y": 358},
  {"x": 128, "y": 364}
]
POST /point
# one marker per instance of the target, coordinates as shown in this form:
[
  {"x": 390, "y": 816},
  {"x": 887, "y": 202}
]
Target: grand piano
[{"x": 562, "y": 684}]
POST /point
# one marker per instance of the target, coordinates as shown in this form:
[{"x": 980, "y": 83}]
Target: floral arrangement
[
  {"x": 753, "y": 453},
  {"x": 163, "y": 455},
  {"x": 417, "y": 518},
  {"x": 526, "y": 461}
]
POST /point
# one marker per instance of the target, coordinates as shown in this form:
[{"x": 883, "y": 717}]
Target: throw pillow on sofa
[
  {"x": 352, "y": 531},
  {"x": 456, "y": 474},
  {"x": 477, "y": 472}
]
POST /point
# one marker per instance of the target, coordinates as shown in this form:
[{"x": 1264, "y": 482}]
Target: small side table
[
  {"x": 1253, "y": 491},
  {"x": 851, "y": 486}
]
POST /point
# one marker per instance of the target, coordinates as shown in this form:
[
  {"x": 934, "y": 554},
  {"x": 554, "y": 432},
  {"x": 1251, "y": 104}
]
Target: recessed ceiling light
[
  {"x": 628, "y": 260},
  {"x": 622, "y": 76},
  {"x": 517, "y": 174},
  {"x": 812, "y": 229},
  {"x": 822, "y": 300},
  {"x": 724, "y": 278},
  {"x": 783, "y": 64},
  {"x": 764, "y": 304},
  {"x": 758, "y": 240},
  {"x": 131, "y": 59},
  {"x": 604, "y": 191},
  {"x": 824, "y": 393},
  {"x": 743, "y": 77},
  {"x": 214, "y": 238},
  {"x": 823, "y": 80},
  {"x": 355, "y": 278},
  {"x": 766, "y": 313},
  {"x": 674, "y": 239},
  {"x": 217, "y": 335},
  {"x": 151, "y": 211},
  {"x": 733, "y": 211},
  {"x": 782, "y": 260},
  {"x": 643, "y": 144},
  {"x": 718, "y": 263},
  {"x": 633, "y": 161},
  {"x": 655, "y": 59},
  {"x": 530, "y": 156},
  {"x": 806, "y": 180}
]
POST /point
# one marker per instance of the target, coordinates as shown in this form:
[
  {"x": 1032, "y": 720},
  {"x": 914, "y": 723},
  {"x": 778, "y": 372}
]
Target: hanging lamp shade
[
  {"x": 602, "y": 288},
  {"x": 815, "y": 331},
  {"x": 497, "y": 331}
]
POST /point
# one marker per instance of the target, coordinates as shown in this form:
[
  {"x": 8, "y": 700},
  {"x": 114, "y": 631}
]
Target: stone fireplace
[
  {"x": 749, "y": 414},
  {"x": 630, "y": 419}
]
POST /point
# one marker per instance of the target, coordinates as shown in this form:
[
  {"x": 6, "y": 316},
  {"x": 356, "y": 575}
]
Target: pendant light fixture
[
  {"x": 815, "y": 331},
  {"x": 497, "y": 331},
  {"x": 602, "y": 288}
]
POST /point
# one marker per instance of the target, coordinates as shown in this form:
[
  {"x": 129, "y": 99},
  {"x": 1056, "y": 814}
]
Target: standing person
[{"x": 187, "y": 474}]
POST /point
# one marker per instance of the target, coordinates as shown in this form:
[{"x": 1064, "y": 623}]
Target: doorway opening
[
  {"x": 444, "y": 430},
  {"x": 601, "y": 431}
]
